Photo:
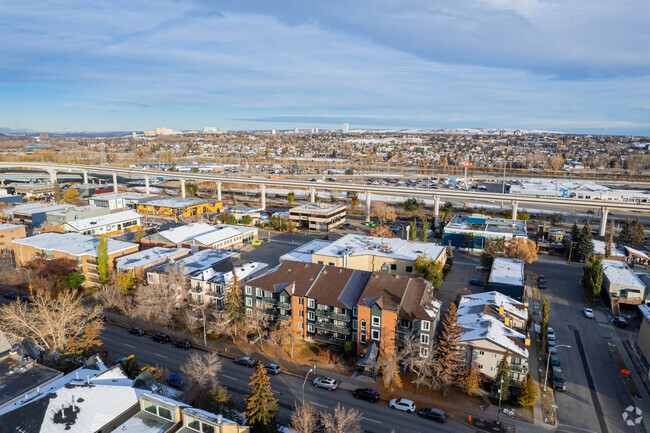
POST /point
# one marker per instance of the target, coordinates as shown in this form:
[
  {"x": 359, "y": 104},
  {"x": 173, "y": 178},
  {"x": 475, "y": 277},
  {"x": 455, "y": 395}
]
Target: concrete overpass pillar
[
  {"x": 514, "y": 210},
  {"x": 146, "y": 185},
  {"x": 183, "y": 188},
  {"x": 85, "y": 177},
  {"x": 368, "y": 203},
  {"x": 312, "y": 195},
  {"x": 604, "y": 213},
  {"x": 114, "y": 182},
  {"x": 219, "y": 191},
  {"x": 52, "y": 173},
  {"x": 436, "y": 211},
  {"x": 263, "y": 194}
]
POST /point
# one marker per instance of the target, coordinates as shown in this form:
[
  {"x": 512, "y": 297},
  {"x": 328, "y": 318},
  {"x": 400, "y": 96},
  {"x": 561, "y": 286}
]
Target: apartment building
[
  {"x": 319, "y": 217},
  {"x": 9, "y": 232},
  {"x": 212, "y": 287},
  {"x": 139, "y": 263},
  {"x": 204, "y": 261},
  {"x": 75, "y": 246}
]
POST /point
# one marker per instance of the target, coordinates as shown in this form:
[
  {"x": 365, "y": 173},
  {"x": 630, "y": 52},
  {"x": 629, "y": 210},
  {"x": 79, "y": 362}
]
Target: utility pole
[{"x": 500, "y": 394}]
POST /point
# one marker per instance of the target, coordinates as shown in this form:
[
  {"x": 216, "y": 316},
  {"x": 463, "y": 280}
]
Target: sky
[{"x": 561, "y": 65}]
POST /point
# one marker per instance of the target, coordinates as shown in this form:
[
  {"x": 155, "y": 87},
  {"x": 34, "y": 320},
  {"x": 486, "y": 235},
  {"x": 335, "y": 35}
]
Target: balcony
[
  {"x": 518, "y": 368},
  {"x": 270, "y": 301},
  {"x": 284, "y": 317},
  {"x": 333, "y": 315},
  {"x": 403, "y": 329},
  {"x": 283, "y": 305},
  {"x": 328, "y": 339},
  {"x": 333, "y": 328}
]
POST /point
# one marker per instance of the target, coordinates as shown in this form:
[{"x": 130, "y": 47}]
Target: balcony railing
[
  {"x": 333, "y": 328},
  {"x": 333, "y": 315},
  {"x": 284, "y": 317},
  {"x": 284, "y": 305},
  {"x": 519, "y": 368},
  {"x": 271, "y": 301},
  {"x": 329, "y": 340},
  {"x": 403, "y": 329}
]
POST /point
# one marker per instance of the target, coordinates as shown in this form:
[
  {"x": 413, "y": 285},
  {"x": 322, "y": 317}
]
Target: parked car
[
  {"x": 542, "y": 284},
  {"x": 325, "y": 382},
  {"x": 619, "y": 321},
  {"x": 555, "y": 361},
  {"x": 28, "y": 299},
  {"x": 475, "y": 282},
  {"x": 161, "y": 338},
  {"x": 366, "y": 394},
  {"x": 589, "y": 313},
  {"x": 182, "y": 344},
  {"x": 272, "y": 369},
  {"x": 175, "y": 381},
  {"x": 136, "y": 331},
  {"x": 550, "y": 334},
  {"x": 10, "y": 296},
  {"x": 402, "y": 404},
  {"x": 434, "y": 414},
  {"x": 550, "y": 345},
  {"x": 558, "y": 381},
  {"x": 246, "y": 361}
]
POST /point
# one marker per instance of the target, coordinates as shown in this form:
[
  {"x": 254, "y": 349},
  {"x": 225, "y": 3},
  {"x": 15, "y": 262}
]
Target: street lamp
[
  {"x": 303, "y": 384},
  {"x": 29, "y": 277},
  {"x": 548, "y": 361},
  {"x": 203, "y": 313},
  {"x": 500, "y": 394}
]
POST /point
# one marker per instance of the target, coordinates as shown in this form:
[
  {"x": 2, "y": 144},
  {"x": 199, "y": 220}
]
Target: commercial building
[
  {"x": 175, "y": 207},
  {"x": 34, "y": 189},
  {"x": 203, "y": 261},
  {"x": 585, "y": 190},
  {"x": 470, "y": 231},
  {"x": 333, "y": 305},
  {"x": 600, "y": 248},
  {"x": 74, "y": 213},
  {"x": 89, "y": 190},
  {"x": 9, "y": 232},
  {"x": 493, "y": 325},
  {"x": 319, "y": 217},
  {"x": 110, "y": 224},
  {"x": 621, "y": 283},
  {"x": 121, "y": 200},
  {"x": 634, "y": 256},
  {"x": 212, "y": 287},
  {"x": 201, "y": 236},
  {"x": 241, "y": 211},
  {"x": 11, "y": 199},
  {"x": 75, "y": 246},
  {"x": 507, "y": 277},
  {"x": 367, "y": 253},
  {"x": 140, "y": 262},
  {"x": 33, "y": 214},
  {"x": 643, "y": 339}
]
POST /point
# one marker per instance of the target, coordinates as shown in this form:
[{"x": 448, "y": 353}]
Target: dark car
[
  {"x": 555, "y": 361},
  {"x": 182, "y": 344},
  {"x": 542, "y": 284},
  {"x": 558, "y": 381},
  {"x": 619, "y": 321},
  {"x": 272, "y": 369},
  {"x": 366, "y": 394},
  {"x": 136, "y": 331},
  {"x": 161, "y": 338},
  {"x": 433, "y": 413},
  {"x": 175, "y": 381},
  {"x": 475, "y": 282},
  {"x": 27, "y": 299},
  {"x": 246, "y": 361},
  {"x": 10, "y": 296}
]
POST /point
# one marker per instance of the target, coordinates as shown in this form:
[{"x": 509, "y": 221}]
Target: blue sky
[{"x": 561, "y": 65}]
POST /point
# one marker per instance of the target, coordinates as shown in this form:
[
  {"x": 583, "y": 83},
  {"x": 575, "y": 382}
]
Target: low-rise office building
[
  {"x": 634, "y": 256},
  {"x": 470, "y": 231},
  {"x": 256, "y": 214},
  {"x": 621, "y": 283},
  {"x": 34, "y": 214},
  {"x": 11, "y": 199},
  {"x": 121, "y": 200},
  {"x": 319, "y": 217},
  {"x": 75, "y": 246},
  {"x": 91, "y": 189},
  {"x": 202, "y": 235},
  {"x": 34, "y": 189},
  {"x": 110, "y": 224},
  {"x": 507, "y": 276},
  {"x": 140, "y": 262},
  {"x": 9, "y": 232},
  {"x": 175, "y": 207},
  {"x": 74, "y": 213}
]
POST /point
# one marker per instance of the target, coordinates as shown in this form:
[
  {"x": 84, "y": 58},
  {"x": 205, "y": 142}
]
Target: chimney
[{"x": 77, "y": 375}]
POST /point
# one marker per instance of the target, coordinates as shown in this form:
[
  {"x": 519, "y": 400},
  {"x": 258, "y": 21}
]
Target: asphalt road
[{"x": 288, "y": 389}]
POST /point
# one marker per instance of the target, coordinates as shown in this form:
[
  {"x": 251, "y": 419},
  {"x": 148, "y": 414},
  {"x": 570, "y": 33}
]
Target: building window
[
  {"x": 409, "y": 269},
  {"x": 424, "y": 352},
  {"x": 424, "y": 338},
  {"x": 149, "y": 407},
  {"x": 300, "y": 325},
  {"x": 393, "y": 267},
  {"x": 311, "y": 303},
  {"x": 354, "y": 311},
  {"x": 494, "y": 355},
  {"x": 320, "y": 262},
  {"x": 426, "y": 325},
  {"x": 301, "y": 313},
  {"x": 310, "y": 327},
  {"x": 259, "y": 292},
  {"x": 480, "y": 352},
  {"x": 363, "y": 326},
  {"x": 376, "y": 321},
  {"x": 354, "y": 324},
  {"x": 258, "y": 304},
  {"x": 375, "y": 334},
  {"x": 165, "y": 413},
  {"x": 301, "y": 301},
  {"x": 310, "y": 315},
  {"x": 249, "y": 312},
  {"x": 354, "y": 336},
  {"x": 249, "y": 302}
]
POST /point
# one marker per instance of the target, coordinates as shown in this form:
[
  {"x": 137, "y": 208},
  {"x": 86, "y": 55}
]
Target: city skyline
[{"x": 486, "y": 64}]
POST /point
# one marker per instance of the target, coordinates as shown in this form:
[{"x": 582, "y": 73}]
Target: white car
[
  {"x": 402, "y": 404},
  {"x": 550, "y": 335},
  {"x": 589, "y": 313},
  {"x": 325, "y": 382},
  {"x": 481, "y": 268}
]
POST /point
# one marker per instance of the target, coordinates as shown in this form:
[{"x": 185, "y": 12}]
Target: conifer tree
[
  {"x": 610, "y": 240},
  {"x": 585, "y": 248},
  {"x": 413, "y": 231},
  {"x": 235, "y": 311},
  {"x": 58, "y": 194},
  {"x": 102, "y": 260},
  {"x": 528, "y": 392},
  {"x": 592, "y": 277},
  {"x": 502, "y": 371},
  {"x": 544, "y": 327},
  {"x": 575, "y": 233},
  {"x": 625, "y": 236},
  {"x": 638, "y": 234},
  {"x": 449, "y": 355},
  {"x": 261, "y": 407},
  {"x": 424, "y": 231}
]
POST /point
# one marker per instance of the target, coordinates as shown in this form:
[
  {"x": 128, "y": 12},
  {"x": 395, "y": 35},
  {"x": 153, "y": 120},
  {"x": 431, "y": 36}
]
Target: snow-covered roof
[
  {"x": 541, "y": 186},
  {"x": 186, "y": 232},
  {"x": 495, "y": 299},
  {"x": 177, "y": 202},
  {"x": 216, "y": 236},
  {"x": 632, "y": 251},
  {"x": 360, "y": 245},
  {"x": 507, "y": 271},
  {"x": 72, "y": 243},
  {"x": 146, "y": 257},
  {"x": 619, "y": 273},
  {"x": 599, "y": 248},
  {"x": 8, "y": 226},
  {"x": 40, "y": 209},
  {"x": 199, "y": 261},
  {"x": 102, "y": 220},
  {"x": 303, "y": 253},
  {"x": 321, "y": 208},
  {"x": 123, "y": 195},
  {"x": 243, "y": 271}
]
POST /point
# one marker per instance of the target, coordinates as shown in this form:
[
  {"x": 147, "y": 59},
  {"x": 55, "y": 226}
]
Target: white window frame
[
  {"x": 376, "y": 332},
  {"x": 310, "y": 327},
  {"x": 258, "y": 304},
  {"x": 311, "y": 303},
  {"x": 249, "y": 302},
  {"x": 354, "y": 311},
  {"x": 424, "y": 338},
  {"x": 426, "y": 325},
  {"x": 424, "y": 352},
  {"x": 310, "y": 315},
  {"x": 363, "y": 326},
  {"x": 300, "y": 325},
  {"x": 258, "y": 292},
  {"x": 376, "y": 319}
]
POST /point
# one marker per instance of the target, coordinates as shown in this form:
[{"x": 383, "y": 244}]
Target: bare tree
[
  {"x": 52, "y": 322},
  {"x": 258, "y": 323},
  {"x": 288, "y": 337},
  {"x": 342, "y": 420},
  {"x": 155, "y": 303},
  {"x": 202, "y": 369},
  {"x": 383, "y": 212},
  {"x": 389, "y": 366},
  {"x": 304, "y": 419}
]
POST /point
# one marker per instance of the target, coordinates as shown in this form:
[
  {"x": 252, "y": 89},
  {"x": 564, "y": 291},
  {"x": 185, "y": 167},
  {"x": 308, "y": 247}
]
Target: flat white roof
[
  {"x": 103, "y": 220},
  {"x": 117, "y": 195},
  {"x": 199, "y": 261},
  {"x": 507, "y": 271},
  {"x": 546, "y": 186},
  {"x": 618, "y": 272},
  {"x": 40, "y": 209},
  {"x": 72, "y": 243},
  {"x": 8, "y": 226},
  {"x": 177, "y": 202},
  {"x": 303, "y": 253},
  {"x": 207, "y": 234},
  {"x": 599, "y": 248},
  {"x": 145, "y": 257},
  {"x": 360, "y": 245},
  {"x": 317, "y": 208}
]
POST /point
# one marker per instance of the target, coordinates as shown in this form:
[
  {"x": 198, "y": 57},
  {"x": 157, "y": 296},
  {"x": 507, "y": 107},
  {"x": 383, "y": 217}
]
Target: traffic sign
[
  {"x": 466, "y": 164},
  {"x": 554, "y": 405},
  {"x": 565, "y": 192}
]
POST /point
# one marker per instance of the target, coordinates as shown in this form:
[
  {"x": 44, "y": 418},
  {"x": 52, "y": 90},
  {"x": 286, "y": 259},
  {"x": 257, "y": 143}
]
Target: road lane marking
[
  {"x": 316, "y": 404},
  {"x": 371, "y": 420},
  {"x": 162, "y": 356},
  {"x": 128, "y": 345},
  {"x": 229, "y": 377},
  {"x": 276, "y": 392}
]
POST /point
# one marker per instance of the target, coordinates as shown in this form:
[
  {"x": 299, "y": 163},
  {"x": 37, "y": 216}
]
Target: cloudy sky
[{"x": 561, "y": 65}]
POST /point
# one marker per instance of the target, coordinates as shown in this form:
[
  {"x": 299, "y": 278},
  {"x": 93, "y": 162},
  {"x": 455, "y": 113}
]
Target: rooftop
[
  {"x": 177, "y": 202},
  {"x": 618, "y": 272},
  {"x": 145, "y": 257},
  {"x": 600, "y": 246},
  {"x": 507, "y": 271},
  {"x": 125, "y": 195},
  {"x": 303, "y": 253},
  {"x": 103, "y": 220},
  {"x": 77, "y": 209},
  {"x": 243, "y": 271},
  {"x": 40, "y": 208},
  {"x": 360, "y": 245},
  {"x": 199, "y": 261},
  {"x": 487, "y": 224},
  {"x": 323, "y": 208},
  {"x": 203, "y": 233},
  {"x": 10, "y": 226},
  {"x": 72, "y": 243},
  {"x": 537, "y": 186}
]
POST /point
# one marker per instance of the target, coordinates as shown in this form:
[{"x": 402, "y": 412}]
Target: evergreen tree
[
  {"x": 489, "y": 253},
  {"x": 575, "y": 233},
  {"x": 102, "y": 260},
  {"x": 585, "y": 248},
  {"x": 544, "y": 327},
  {"x": 235, "y": 311},
  {"x": 592, "y": 277},
  {"x": 413, "y": 231},
  {"x": 261, "y": 407},
  {"x": 449, "y": 355},
  {"x": 502, "y": 372},
  {"x": 441, "y": 223},
  {"x": 468, "y": 240},
  {"x": 528, "y": 392},
  {"x": 449, "y": 253},
  {"x": 625, "y": 236},
  {"x": 610, "y": 240},
  {"x": 290, "y": 197},
  {"x": 58, "y": 194},
  {"x": 424, "y": 231},
  {"x": 638, "y": 235}
]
